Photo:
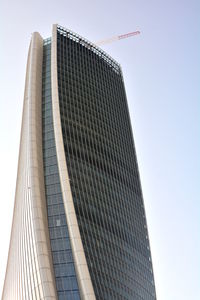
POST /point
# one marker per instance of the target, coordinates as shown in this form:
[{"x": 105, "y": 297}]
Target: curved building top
[{"x": 91, "y": 46}]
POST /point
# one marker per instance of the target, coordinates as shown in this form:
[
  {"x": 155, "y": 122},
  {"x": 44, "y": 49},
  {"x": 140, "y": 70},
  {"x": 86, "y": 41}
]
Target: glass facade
[
  {"x": 79, "y": 229},
  {"x": 66, "y": 281},
  {"x": 103, "y": 171}
]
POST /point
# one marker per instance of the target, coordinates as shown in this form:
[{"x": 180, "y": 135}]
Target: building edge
[
  {"x": 81, "y": 267},
  {"x": 137, "y": 164},
  {"x": 29, "y": 271}
]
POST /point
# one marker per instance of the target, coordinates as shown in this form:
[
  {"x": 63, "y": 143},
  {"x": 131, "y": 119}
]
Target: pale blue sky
[{"x": 161, "y": 70}]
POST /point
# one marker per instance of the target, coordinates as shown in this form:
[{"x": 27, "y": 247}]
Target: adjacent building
[{"x": 79, "y": 229}]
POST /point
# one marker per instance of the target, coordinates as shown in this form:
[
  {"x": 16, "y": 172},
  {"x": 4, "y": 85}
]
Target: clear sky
[{"x": 161, "y": 70}]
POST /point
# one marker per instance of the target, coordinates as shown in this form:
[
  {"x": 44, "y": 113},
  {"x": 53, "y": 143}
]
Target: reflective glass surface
[
  {"x": 103, "y": 171},
  {"x": 66, "y": 281}
]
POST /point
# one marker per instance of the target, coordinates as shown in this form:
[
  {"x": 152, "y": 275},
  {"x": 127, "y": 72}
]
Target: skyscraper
[{"x": 79, "y": 228}]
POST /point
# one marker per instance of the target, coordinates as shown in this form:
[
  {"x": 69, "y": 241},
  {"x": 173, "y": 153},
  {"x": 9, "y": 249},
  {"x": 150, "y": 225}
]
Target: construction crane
[{"x": 116, "y": 38}]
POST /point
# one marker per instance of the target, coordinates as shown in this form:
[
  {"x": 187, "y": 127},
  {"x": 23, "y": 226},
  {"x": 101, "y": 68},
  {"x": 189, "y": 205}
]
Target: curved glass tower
[{"x": 79, "y": 228}]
